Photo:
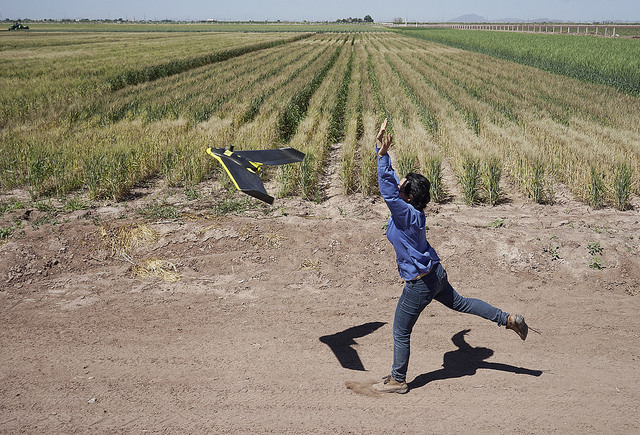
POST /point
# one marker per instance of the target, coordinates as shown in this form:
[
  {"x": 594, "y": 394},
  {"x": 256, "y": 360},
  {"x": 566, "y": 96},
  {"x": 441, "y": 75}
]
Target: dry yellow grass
[
  {"x": 124, "y": 239},
  {"x": 155, "y": 268}
]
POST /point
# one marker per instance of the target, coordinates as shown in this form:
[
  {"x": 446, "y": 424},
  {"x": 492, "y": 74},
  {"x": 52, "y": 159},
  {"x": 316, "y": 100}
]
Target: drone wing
[
  {"x": 243, "y": 173},
  {"x": 279, "y": 156}
]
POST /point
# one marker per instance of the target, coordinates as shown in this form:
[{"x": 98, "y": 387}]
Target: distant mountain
[
  {"x": 509, "y": 20},
  {"x": 535, "y": 20},
  {"x": 473, "y": 18},
  {"x": 469, "y": 18}
]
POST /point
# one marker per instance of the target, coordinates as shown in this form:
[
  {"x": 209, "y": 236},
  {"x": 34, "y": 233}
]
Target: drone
[{"x": 244, "y": 167}]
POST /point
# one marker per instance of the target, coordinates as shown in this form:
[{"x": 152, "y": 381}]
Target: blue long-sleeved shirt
[{"x": 406, "y": 229}]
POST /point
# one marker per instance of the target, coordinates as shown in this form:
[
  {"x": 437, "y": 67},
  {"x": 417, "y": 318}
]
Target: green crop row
[
  {"x": 428, "y": 119},
  {"x": 296, "y": 109},
  {"x": 252, "y": 110},
  {"x": 336, "y": 128},
  {"x": 154, "y": 72},
  {"x": 610, "y": 61}
]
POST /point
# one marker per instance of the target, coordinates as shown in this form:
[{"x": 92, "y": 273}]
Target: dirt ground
[{"x": 264, "y": 319}]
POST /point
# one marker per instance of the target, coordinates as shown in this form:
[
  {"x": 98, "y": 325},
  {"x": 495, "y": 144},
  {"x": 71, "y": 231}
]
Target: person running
[{"x": 419, "y": 265}]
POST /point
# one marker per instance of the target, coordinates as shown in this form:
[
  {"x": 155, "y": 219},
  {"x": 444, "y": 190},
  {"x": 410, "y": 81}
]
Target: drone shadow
[
  {"x": 341, "y": 344},
  {"x": 465, "y": 361}
]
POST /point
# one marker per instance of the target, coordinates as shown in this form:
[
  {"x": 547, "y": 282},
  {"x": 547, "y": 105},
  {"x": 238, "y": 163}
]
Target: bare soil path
[{"x": 275, "y": 310}]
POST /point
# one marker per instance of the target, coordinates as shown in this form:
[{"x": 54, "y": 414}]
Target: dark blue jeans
[{"x": 416, "y": 295}]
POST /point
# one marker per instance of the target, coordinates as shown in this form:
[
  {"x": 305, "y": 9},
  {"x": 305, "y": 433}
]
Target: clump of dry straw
[{"x": 123, "y": 240}]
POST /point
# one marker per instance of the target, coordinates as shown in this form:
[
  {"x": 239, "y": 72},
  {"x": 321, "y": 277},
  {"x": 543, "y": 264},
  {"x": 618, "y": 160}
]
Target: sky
[{"x": 322, "y": 10}]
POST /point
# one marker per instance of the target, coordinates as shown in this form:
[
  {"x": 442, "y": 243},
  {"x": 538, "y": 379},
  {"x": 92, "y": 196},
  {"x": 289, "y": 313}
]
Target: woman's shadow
[{"x": 465, "y": 361}]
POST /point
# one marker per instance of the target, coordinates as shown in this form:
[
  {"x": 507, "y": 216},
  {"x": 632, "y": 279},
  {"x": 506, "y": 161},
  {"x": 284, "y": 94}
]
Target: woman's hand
[
  {"x": 383, "y": 128},
  {"x": 384, "y": 139}
]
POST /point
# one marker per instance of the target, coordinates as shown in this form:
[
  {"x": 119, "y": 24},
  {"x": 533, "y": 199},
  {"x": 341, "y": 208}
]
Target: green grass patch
[
  {"x": 296, "y": 109},
  {"x": 160, "y": 211},
  {"x": 609, "y": 61}
]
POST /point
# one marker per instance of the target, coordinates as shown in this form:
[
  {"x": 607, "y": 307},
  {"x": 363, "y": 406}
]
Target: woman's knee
[
  {"x": 460, "y": 303},
  {"x": 401, "y": 335}
]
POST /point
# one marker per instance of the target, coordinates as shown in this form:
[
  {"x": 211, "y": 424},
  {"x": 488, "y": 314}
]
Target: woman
[{"x": 419, "y": 265}]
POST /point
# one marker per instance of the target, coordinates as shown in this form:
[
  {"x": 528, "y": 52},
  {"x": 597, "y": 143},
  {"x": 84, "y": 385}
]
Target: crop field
[
  {"x": 614, "y": 62},
  {"x": 140, "y": 292},
  {"x": 100, "y": 112}
]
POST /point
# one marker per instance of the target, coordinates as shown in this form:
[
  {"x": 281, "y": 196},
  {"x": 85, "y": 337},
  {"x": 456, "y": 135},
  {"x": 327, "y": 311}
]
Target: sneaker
[
  {"x": 516, "y": 322},
  {"x": 390, "y": 385}
]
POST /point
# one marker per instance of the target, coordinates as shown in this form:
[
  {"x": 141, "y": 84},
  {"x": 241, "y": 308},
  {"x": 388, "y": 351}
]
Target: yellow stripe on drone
[
  {"x": 225, "y": 168},
  {"x": 230, "y": 153},
  {"x": 257, "y": 165}
]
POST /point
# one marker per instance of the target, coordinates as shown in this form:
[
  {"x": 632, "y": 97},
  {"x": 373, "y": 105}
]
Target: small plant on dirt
[
  {"x": 233, "y": 205},
  {"x": 553, "y": 250},
  {"x": 5, "y": 232},
  {"x": 595, "y": 250},
  {"x": 596, "y": 263},
  {"x": 50, "y": 216},
  {"x": 192, "y": 194},
  {"x": 75, "y": 203},
  {"x": 45, "y": 206},
  {"x": 310, "y": 264},
  {"x": 15, "y": 231},
  {"x": 11, "y": 205},
  {"x": 159, "y": 211},
  {"x": 498, "y": 223}
]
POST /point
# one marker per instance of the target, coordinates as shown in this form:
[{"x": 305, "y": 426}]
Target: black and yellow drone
[{"x": 244, "y": 167}]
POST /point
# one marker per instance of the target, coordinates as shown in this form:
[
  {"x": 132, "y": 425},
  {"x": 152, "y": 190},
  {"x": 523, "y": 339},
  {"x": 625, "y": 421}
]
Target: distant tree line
[{"x": 366, "y": 19}]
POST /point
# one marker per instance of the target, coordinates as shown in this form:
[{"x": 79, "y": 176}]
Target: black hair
[{"x": 419, "y": 187}]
